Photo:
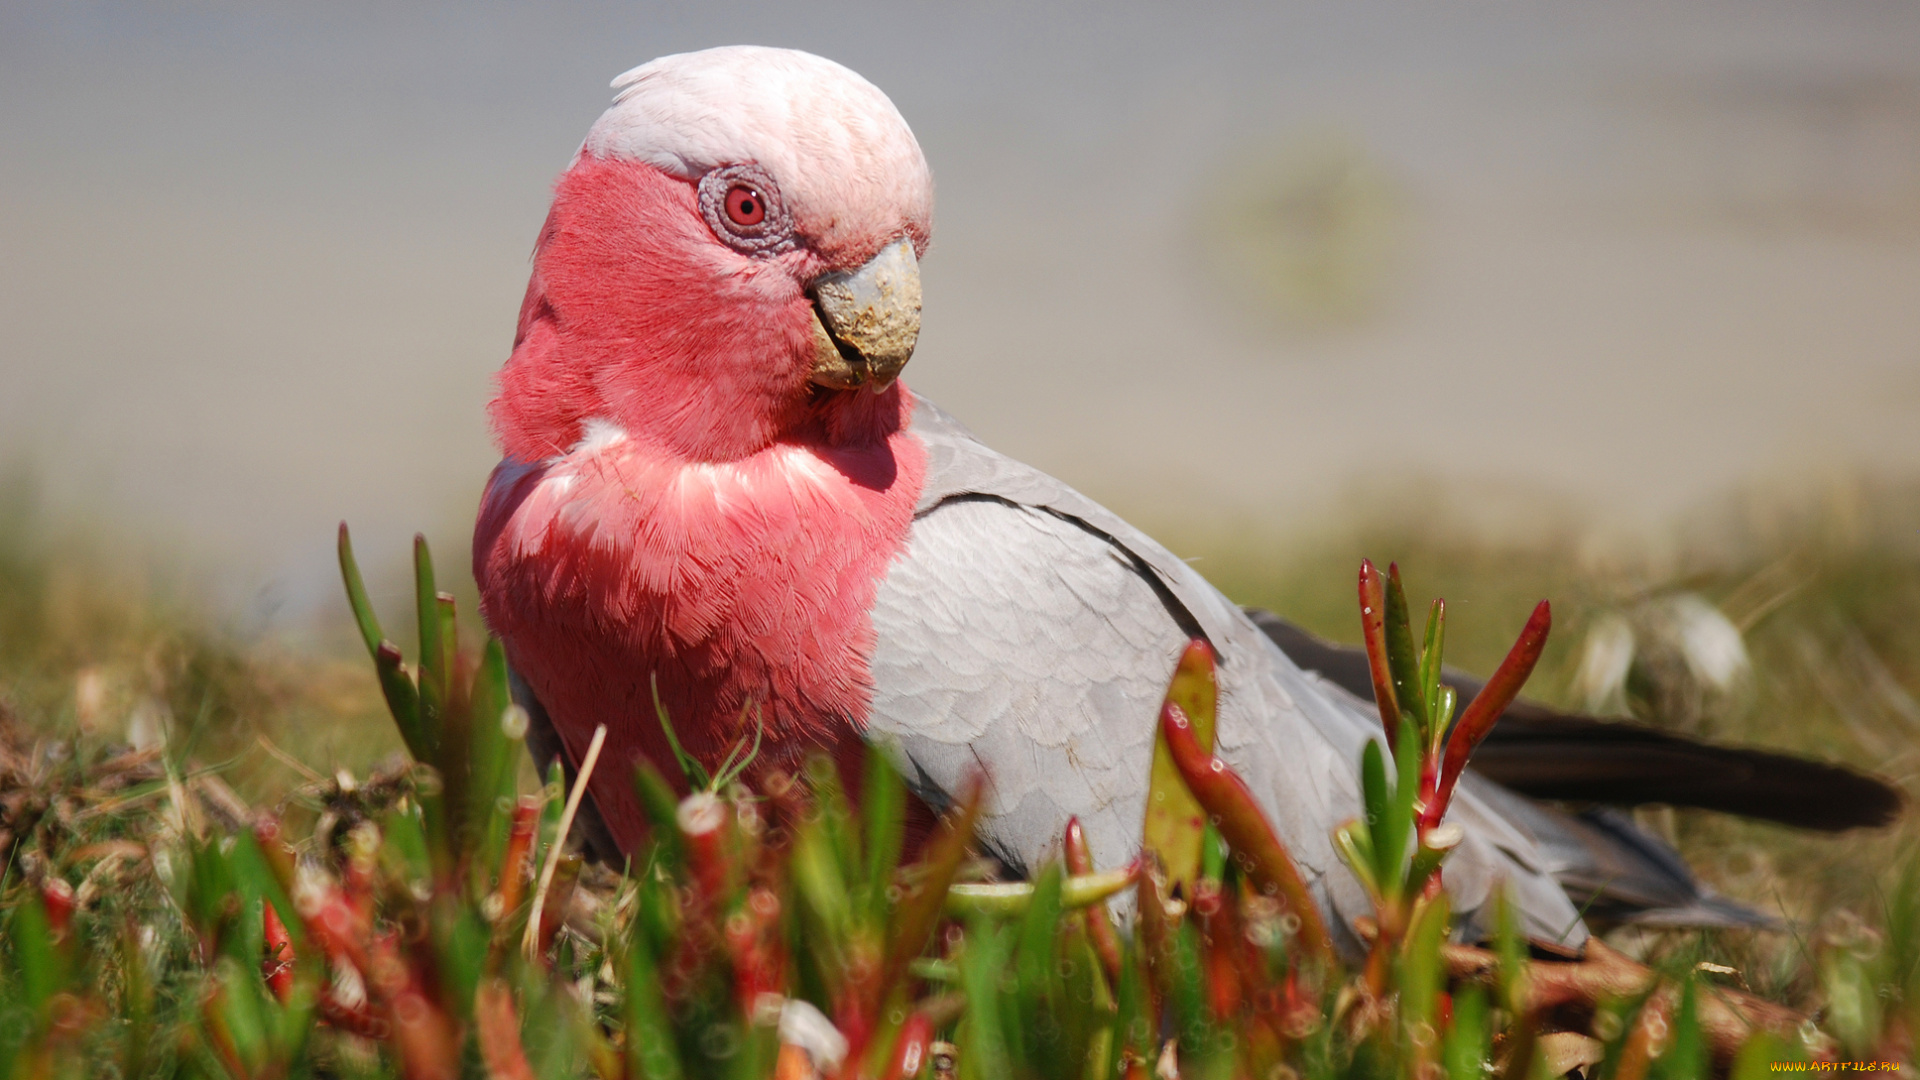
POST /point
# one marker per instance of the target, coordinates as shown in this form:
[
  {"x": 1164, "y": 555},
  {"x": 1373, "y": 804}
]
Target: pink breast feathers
[{"x": 743, "y": 586}]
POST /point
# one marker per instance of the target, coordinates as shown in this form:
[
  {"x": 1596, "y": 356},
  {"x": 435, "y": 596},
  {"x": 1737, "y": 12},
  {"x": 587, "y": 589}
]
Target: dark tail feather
[
  {"x": 1551, "y": 755},
  {"x": 1634, "y": 878}
]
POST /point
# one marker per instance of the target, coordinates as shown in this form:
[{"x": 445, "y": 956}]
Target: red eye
[{"x": 745, "y": 206}]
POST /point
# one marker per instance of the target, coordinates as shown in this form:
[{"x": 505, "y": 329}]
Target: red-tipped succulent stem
[
  {"x": 1486, "y": 707},
  {"x": 910, "y": 1049},
  {"x": 1373, "y": 628},
  {"x": 1237, "y": 815},
  {"x": 1106, "y": 942},
  {"x": 277, "y": 966}
]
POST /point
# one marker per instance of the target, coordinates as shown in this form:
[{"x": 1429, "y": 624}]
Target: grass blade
[
  {"x": 403, "y": 698},
  {"x": 1402, "y": 663},
  {"x": 917, "y": 915}
]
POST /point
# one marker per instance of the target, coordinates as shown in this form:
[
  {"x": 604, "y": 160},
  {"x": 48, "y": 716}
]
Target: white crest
[{"x": 831, "y": 140}]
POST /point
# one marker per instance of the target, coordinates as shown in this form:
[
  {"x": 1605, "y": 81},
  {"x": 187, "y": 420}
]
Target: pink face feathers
[{"x": 670, "y": 292}]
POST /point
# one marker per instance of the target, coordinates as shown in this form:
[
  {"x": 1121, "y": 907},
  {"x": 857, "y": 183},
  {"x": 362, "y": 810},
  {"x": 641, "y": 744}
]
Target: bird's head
[{"x": 732, "y": 258}]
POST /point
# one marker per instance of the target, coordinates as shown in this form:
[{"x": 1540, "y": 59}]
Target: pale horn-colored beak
[{"x": 865, "y": 323}]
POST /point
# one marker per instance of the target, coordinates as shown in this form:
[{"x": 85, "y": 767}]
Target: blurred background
[
  {"x": 1216, "y": 263},
  {"x": 1617, "y": 304}
]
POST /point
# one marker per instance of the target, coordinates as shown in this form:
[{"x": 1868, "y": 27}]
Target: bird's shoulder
[
  {"x": 1008, "y": 615},
  {"x": 960, "y": 469}
]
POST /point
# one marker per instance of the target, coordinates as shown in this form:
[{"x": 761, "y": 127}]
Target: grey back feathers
[{"x": 1029, "y": 632}]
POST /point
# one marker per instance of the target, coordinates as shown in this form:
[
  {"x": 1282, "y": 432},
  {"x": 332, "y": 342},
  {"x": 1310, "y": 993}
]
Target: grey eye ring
[{"x": 743, "y": 208}]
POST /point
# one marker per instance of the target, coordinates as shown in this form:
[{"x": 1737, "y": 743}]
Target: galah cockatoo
[{"x": 715, "y": 483}]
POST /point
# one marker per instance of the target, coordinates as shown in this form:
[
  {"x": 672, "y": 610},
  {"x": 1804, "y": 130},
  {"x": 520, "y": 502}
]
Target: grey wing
[
  {"x": 1009, "y": 640},
  {"x": 1030, "y": 632}
]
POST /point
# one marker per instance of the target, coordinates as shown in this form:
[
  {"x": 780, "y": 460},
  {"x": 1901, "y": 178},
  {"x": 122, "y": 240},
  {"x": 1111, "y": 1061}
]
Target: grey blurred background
[{"x": 1213, "y": 263}]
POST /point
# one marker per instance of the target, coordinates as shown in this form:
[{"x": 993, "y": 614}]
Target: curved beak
[{"x": 865, "y": 323}]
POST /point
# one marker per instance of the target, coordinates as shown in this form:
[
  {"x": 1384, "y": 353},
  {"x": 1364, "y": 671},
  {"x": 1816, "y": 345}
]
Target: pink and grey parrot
[{"x": 715, "y": 484}]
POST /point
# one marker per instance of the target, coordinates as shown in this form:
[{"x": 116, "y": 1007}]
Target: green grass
[
  {"x": 1825, "y": 582},
  {"x": 158, "y": 972}
]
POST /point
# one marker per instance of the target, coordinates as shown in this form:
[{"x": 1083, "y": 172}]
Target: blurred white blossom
[{"x": 1674, "y": 659}]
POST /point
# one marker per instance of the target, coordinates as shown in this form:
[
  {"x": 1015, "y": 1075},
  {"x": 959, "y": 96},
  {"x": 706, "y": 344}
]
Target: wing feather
[{"x": 1029, "y": 631}]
